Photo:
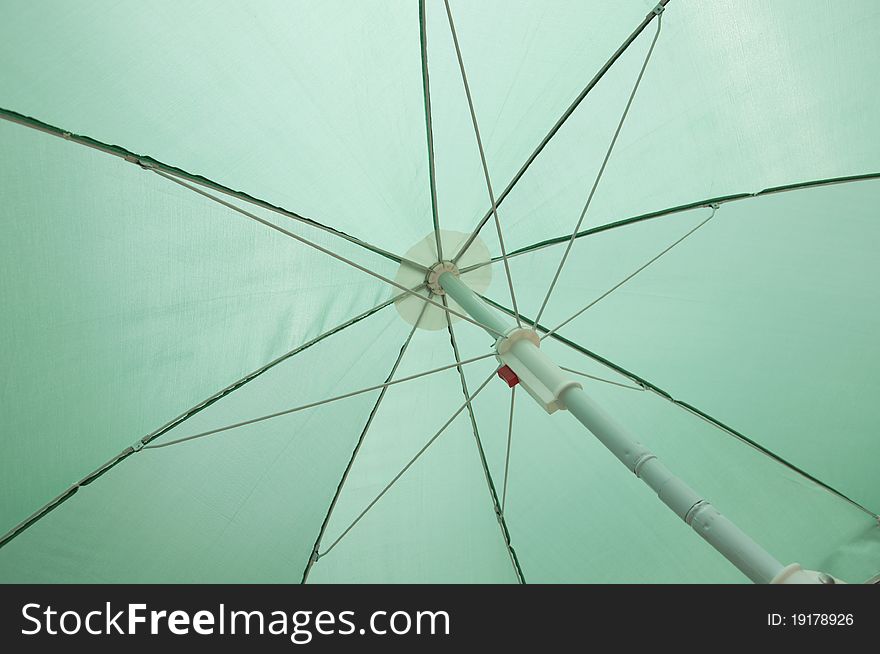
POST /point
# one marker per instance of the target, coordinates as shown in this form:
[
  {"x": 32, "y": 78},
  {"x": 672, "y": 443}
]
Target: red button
[{"x": 508, "y": 376}]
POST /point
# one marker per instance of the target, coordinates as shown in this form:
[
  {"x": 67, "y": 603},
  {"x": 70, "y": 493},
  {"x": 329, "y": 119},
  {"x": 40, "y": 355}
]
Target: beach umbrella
[{"x": 386, "y": 291}]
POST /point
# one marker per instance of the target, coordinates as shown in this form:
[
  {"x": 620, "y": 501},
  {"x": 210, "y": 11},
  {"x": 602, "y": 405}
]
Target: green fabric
[{"x": 127, "y": 299}]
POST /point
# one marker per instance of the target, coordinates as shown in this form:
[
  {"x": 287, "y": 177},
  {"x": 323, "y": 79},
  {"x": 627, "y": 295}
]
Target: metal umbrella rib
[
  {"x": 409, "y": 464},
  {"x": 507, "y": 450}
]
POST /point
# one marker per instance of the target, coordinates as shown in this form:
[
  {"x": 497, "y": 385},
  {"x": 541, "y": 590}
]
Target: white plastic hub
[
  {"x": 425, "y": 253},
  {"x": 433, "y": 278}
]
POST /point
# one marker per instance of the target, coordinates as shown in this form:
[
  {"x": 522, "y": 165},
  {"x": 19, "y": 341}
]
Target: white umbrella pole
[{"x": 553, "y": 389}]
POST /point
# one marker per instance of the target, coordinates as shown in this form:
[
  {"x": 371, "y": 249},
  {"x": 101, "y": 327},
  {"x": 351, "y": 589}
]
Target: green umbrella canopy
[{"x": 137, "y": 309}]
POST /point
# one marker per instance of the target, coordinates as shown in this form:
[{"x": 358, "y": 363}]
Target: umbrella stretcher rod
[{"x": 519, "y": 350}]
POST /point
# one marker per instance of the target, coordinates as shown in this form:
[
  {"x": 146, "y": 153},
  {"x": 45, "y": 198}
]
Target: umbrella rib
[
  {"x": 603, "y": 379},
  {"x": 715, "y": 422},
  {"x": 407, "y": 466},
  {"x": 559, "y": 123},
  {"x": 708, "y": 202},
  {"x": 429, "y": 129},
  {"x": 319, "y": 248},
  {"x": 89, "y": 478},
  {"x": 316, "y": 547},
  {"x": 507, "y": 452},
  {"x": 592, "y": 193},
  {"x": 496, "y": 506},
  {"x": 312, "y": 405},
  {"x": 491, "y": 192},
  {"x": 149, "y": 162},
  {"x": 623, "y": 281}
]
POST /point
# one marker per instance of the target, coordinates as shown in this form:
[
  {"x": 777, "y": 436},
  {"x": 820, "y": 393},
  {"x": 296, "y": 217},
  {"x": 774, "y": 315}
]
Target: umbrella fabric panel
[
  {"x": 128, "y": 300},
  {"x": 737, "y": 97},
  {"x": 765, "y": 318},
  {"x": 437, "y": 523},
  {"x": 315, "y": 106},
  {"x": 576, "y": 514},
  {"x": 241, "y": 505}
]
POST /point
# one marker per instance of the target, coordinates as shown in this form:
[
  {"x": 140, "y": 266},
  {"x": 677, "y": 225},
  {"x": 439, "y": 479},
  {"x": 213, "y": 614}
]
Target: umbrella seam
[{"x": 315, "y": 246}]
